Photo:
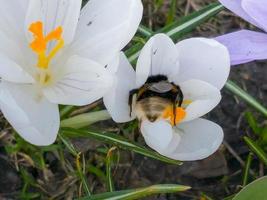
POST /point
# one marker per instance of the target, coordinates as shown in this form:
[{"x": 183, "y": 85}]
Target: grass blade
[
  {"x": 143, "y": 30},
  {"x": 110, "y": 183},
  {"x": 179, "y": 28},
  {"x": 255, "y": 148},
  {"x": 247, "y": 168},
  {"x": 114, "y": 139},
  {"x": 139, "y": 193},
  {"x": 81, "y": 175},
  {"x": 231, "y": 86}
]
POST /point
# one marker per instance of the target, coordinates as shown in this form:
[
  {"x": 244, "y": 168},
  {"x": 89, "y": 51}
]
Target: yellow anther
[
  {"x": 174, "y": 116},
  {"x": 39, "y": 44}
]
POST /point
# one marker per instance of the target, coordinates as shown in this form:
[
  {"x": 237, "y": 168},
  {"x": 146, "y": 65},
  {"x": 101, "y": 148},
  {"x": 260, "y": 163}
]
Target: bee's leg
[
  {"x": 174, "y": 113},
  {"x": 180, "y": 97},
  {"x": 130, "y": 100}
]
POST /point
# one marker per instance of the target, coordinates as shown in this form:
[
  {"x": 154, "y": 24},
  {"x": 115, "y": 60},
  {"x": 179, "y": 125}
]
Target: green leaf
[
  {"x": 253, "y": 123},
  {"x": 119, "y": 141},
  {"x": 231, "y": 86},
  {"x": 256, "y": 149},
  {"x": 179, "y": 28},
  {"x": 186, "y": 24},
  {"x": 84, "y": 120},
  {"x": 254, "y": 191},
  {"x": 138, "y": 193},
  {"x": 172, "y": 12},
  {"x": 143, "y": 30},
  {"x": 65, "y": 110},
  {"x": 247, "y": 168},
  {"x": 110, "y": 183}
]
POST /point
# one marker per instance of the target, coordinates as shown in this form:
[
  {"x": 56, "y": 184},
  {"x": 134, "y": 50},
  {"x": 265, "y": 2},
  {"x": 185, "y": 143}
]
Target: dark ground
[{"x": 218, "y": 176}]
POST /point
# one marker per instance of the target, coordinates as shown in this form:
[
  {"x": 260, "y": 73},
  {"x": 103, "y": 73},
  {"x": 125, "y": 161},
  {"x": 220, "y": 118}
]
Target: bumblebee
[{"x": 156, "y": 99}]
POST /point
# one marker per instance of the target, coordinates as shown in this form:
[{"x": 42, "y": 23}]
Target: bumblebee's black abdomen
[
  {"x": 156, "y": 79},
  {"x": 167, "y": 95}
]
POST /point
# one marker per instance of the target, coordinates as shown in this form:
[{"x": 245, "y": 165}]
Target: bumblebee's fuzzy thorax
[{"x": 156, "y": 99}]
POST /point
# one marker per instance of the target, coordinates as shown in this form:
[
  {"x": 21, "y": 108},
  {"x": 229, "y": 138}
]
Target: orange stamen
[
  {"x": 174, "y": 119},
  {"x": 39, "y": 44}
]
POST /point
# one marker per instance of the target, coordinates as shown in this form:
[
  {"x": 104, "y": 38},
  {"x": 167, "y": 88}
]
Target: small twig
[{"x": 237, "y": 157}]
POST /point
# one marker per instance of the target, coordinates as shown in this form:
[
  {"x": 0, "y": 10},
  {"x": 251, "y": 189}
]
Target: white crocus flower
[
  {"x": 200, "y": 68},
  {"x": 52, "y": 54}
]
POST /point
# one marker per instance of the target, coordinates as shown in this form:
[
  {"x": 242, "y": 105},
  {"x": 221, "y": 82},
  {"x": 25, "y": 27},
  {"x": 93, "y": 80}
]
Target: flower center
[
  {"x": 39, "y": 44},
  {"x": 174, "y": 115}
]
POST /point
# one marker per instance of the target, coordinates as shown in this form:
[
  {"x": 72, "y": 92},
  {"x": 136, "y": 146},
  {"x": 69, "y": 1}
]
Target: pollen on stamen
[
  {"x": 39, "y": 44},
  {"x": 174, "y": 118}
]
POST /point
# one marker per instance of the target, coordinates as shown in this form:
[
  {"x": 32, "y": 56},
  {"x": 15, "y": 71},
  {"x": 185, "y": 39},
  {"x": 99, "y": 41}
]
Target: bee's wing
[{"x": 161, "y": 87}]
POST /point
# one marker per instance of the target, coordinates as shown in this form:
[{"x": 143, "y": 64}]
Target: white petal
[
  {"x": 116, "y": 100},
  {"x": 199, "y": 139},
  {"x": 203, "y": 95},
  {"x": 11, "y": 49},
  {"x": 80, "y": 82},
  {"x": 12, "y": 16},
  {"x": 11, "y": 71},
  {"x": 55, "y": 13},
  {"x": 158, "y": 135},
  {"x": 105, "y": 27},
  {"x": 204, "y": 59},
  {"x": 12, "y": 61},
  {"x": 158, "y": 57},
  {"x": 32, "y": 116}
]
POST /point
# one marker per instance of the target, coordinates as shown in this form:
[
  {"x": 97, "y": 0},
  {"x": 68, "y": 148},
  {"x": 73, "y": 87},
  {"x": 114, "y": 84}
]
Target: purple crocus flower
[{"x": 245, "y": 45}]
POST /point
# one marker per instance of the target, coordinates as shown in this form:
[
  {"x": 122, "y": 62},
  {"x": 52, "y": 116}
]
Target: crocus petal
[
  {"x": 11, "y": 71},
  {"x": 31, "y": 115},
  {"x": 203, "y": 59},
  {"x": 80, "y": 82},
  {"x": 12, "y": 61},
  {"x": 158, "y": 135},
  {"x": 198, "y": 140},
  {"x": 236, "y": 7},
  {"x": 116, "y": 100},
  {"x": 245, "y": 46},
  {"x": 105, "y": 27},
  {"x": 203, "y": 97},
  {"x": 12, "y": 16},
  {"x": 257, "y": 10},
  {"x": 55, "y": 13},
  {"x": 158, "y": 57}
]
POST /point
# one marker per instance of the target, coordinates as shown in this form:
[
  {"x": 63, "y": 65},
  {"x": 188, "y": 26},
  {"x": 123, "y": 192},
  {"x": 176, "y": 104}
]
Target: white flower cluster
[{"x": 52, "y": 52}]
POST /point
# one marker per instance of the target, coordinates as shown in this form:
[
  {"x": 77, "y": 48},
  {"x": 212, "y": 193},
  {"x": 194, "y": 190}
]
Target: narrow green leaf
[
  {"x": 68, "y": 144},
  {"x": 231, "y": 86},
  {"x": 172, "y": 12},
  {"x": 84, "y": 120},
  {"x": 98, "y": 172},
  {"x": 119, "y": 141},
  {"x": 186, "y": 24},
  {"x": 82, "y": 176},
  {"x": 247, "y": 168},
  {"x": 138, "y": 193},
  {"x": 255, "y": 148},
  {"x": 253, "y": 123},
  {"x": 65, "y": 111},
  {"x": 254, "y": 191},
  {"x": 179, "y": 28},
  {"x": 110, "y": 183},
  {"x": 143, "y": 30}
]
